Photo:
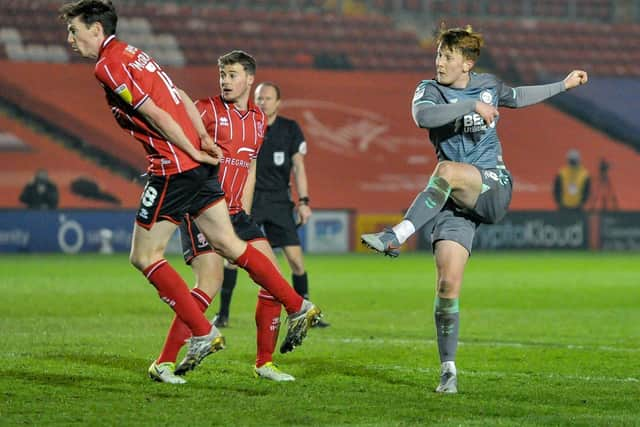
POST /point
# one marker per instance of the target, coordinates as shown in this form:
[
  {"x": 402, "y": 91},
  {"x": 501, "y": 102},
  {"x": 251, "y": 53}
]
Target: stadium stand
[
  {"x": 357, "y": 117},
  {"x": 58, "y": 100},
  {"x": 177, "y": 34},
  {"x": 19, "y": 162},
  {"x": 604, "y": 99}
]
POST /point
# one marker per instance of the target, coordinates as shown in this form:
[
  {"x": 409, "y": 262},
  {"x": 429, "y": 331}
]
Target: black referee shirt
[{"x": 283, "y": 139}]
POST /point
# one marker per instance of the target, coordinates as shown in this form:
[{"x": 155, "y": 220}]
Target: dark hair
[
  {"x": 239, "y": 57},
  {"x": 274, "y": 86},
  {"x": 464, "y": 39},
  {"x": 90, "y": 12}
]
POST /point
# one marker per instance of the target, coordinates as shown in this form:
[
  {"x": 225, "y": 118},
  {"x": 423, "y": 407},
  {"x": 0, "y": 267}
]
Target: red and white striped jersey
[
  {"x": 129, "y": 77},
  {"x": 239, "y": 134}
]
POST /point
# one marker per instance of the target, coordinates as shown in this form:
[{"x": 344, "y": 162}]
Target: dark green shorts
[{"x": 459, "y": 225}]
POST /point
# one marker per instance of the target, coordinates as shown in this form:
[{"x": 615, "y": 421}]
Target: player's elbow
[{"x": 422, "y": 116}]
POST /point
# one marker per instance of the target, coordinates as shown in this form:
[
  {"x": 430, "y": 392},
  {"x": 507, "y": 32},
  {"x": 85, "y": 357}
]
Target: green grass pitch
[{"x": 546, "y": 339}]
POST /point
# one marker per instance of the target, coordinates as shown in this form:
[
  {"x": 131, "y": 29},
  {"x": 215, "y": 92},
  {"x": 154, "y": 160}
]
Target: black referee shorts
[{"x": 274, "y": 213}]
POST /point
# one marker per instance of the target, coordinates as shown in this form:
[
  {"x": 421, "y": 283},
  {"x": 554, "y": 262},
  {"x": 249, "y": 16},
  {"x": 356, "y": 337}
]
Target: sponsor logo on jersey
[
  {"x": 260, "y": 130},
  {"x": 124, "y": 93},
  {"x": 130, "y": 51},
  {"x": 486, "y": 97},
  {"x": 474, "y": 123},
  {"x": 223, "y": 121},
  {"x": 278, "y": 158},
  {"x": 141, "y": 62},
  {"x": 232, "y": 161}
]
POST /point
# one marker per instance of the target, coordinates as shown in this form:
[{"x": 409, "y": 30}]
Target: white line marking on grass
[
  {"x": 405, "y": 341},
  {"x": 499, "y": 374}
]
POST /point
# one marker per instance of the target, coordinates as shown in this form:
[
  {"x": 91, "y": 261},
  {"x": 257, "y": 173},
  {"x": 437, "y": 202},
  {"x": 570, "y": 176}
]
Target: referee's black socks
[
  {"x": 301, "y": 284},
  {"x": 228, "y": 284}
]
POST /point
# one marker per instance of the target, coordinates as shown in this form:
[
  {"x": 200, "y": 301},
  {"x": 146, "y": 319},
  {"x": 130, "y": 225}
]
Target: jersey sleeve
[
  {"x": 427, "y": 93},
  {"x": 205, "y": 108},
  {"x": 506, "y": 95},
  {"x": 298, "y": 145},
  {"x": 261, "y": 128},
  {"x": 129, "y": 87}
]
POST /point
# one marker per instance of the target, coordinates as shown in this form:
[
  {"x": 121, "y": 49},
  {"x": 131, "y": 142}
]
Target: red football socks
[
  {"x": 264, "y": 273},
  {"x": 175, "y": 292},
  {"x": 267, "y": 325},
  {"x": 179, "y": 332}
]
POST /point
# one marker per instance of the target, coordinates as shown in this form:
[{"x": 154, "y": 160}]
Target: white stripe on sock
[{"x": 404, "y": 230}]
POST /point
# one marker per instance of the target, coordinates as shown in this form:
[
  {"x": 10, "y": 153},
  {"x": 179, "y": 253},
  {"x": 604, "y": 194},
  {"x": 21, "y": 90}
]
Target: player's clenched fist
[{"x": 575, "y": 78}]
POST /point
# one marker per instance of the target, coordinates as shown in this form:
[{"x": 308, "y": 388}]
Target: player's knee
[
  {"x": 139, "y": 261},
  {"x": 445, "y": 169},
  {"x": 229, "y": 246},
  {"x": 449, "y": 286},
  {"x": 208, "y": 284}
]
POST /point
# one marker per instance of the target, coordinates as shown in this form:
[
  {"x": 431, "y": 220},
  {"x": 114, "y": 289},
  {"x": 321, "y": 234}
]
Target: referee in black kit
[{"x": 283, "y": 150}]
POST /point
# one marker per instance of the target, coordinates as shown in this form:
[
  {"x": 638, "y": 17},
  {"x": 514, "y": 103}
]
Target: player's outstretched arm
[
  {"x": 529, "y": 95},
  {"x": 575, "y": 79}
]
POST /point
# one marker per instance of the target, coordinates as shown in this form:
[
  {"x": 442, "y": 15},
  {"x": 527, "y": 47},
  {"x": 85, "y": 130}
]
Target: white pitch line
[
  {"x": 500, "y": 374},
  {"x": 405, "y": 341}
]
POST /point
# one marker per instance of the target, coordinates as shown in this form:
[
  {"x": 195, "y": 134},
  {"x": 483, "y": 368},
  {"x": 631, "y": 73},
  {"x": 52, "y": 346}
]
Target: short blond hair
[{"x": 464, "y": 39}]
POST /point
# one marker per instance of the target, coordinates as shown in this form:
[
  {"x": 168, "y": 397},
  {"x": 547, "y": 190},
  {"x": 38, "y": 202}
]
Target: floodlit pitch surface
[{"x": 546, "y": 339}]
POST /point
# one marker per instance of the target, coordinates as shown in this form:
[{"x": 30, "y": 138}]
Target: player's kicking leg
[
  {"x": 384, "y": 242},
  {"x": 462, "y": 182}
]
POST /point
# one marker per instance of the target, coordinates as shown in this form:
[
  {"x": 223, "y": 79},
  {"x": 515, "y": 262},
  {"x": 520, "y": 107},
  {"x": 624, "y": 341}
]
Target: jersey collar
[
  {"x": 105, "y": 42},
  {"x": 251, "y": 106}
]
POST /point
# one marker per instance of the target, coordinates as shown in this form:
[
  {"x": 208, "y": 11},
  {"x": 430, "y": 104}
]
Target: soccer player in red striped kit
[
  {"x": 238, "y": 125},
  {"x": 182, "y": 176}
]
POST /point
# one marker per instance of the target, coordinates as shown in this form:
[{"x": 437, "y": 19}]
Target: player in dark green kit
[{"x": 471, "y": 184}]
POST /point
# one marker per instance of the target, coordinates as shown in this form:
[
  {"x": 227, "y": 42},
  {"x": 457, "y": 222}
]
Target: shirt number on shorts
[{"x": 149, "y": 196}]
